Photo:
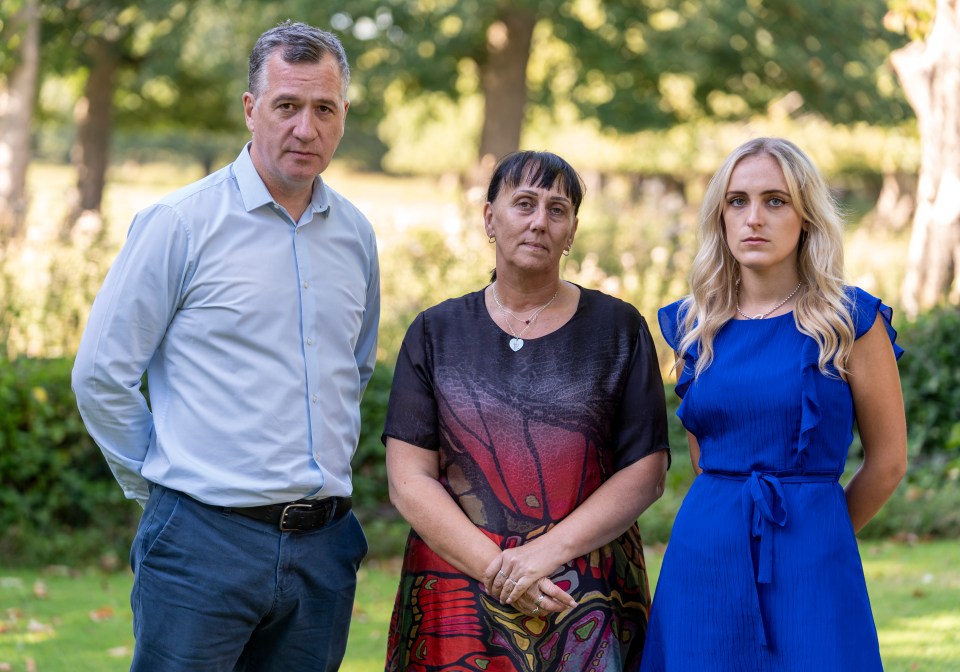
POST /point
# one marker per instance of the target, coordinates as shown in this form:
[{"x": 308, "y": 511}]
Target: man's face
[{"x": 297, "y": 121}]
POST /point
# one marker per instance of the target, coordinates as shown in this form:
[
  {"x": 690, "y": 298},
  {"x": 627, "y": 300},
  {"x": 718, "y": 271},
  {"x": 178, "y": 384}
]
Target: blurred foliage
[
  {"x": 637, "y": 63},
  {"x": 58, "y": 498},
  {"x": 930, "y": 375},
  {"x": 181, "y": 68},
  {"x": 913, "y": 18},
  {"x": 369, "y": 464},
  {"x": 624, "y": 68},
  {"x": 10, "y": 36}
]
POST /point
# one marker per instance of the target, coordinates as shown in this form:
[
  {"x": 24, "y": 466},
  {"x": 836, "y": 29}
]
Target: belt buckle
[{"x": 286, "y": 511}]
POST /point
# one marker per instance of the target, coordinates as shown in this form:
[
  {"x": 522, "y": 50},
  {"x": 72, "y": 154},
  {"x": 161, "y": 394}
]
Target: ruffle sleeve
[
  {"x": 668, "y": 318},
  {"x": 864, "y": 309}
]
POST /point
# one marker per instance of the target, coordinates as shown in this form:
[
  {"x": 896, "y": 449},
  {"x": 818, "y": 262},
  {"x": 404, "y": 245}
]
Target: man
[{"x": 251, "y": 299}]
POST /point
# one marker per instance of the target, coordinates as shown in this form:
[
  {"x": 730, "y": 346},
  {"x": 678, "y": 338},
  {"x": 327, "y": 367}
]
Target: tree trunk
[
  {"x": 504, "y": 81},
  {"x": 93, "y": 115},
  {"x": 930, "y": 74},
  {"x": 895, "y": 203},
  {"x": 17, "y": 100}
]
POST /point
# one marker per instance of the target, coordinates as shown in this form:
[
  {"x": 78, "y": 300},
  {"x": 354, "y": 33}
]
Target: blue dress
[{"x": 762, "y": 571}]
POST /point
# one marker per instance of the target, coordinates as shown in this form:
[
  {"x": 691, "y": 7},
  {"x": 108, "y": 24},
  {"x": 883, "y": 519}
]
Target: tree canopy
[{"x": 634, "y": 64}]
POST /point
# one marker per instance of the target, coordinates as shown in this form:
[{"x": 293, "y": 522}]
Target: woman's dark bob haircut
[{"x": 537, "y": 169}]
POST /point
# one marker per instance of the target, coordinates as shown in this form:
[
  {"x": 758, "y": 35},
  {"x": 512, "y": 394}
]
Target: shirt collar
[{"x": 255, "y": 193}]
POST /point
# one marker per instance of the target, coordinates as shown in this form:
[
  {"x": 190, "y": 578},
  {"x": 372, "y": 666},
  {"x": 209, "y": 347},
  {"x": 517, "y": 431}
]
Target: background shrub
[
  {"x": 930, "y": 375},
  {"x": 927, "y": 503},
  {"x": 58, "y": 499}
]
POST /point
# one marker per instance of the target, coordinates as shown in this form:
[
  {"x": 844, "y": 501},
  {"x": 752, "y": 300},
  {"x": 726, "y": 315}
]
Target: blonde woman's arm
[{"x": 878, "y": 405}]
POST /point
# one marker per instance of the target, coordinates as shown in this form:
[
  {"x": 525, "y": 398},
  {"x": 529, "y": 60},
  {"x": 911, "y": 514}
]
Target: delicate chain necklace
[
  {"x": 760, "y": 316},
  {"x": 517, "y": 341}
]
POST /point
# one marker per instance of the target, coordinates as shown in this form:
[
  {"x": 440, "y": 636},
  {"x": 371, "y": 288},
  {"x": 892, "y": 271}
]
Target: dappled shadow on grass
[
  {"x": 914, "y": 590},
  {"x": 65, "y": 619},
  {"x": 929, "y": 643}
]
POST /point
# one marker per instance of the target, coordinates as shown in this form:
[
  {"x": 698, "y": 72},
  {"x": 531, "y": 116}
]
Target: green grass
[{"x": 58, "y": 620}]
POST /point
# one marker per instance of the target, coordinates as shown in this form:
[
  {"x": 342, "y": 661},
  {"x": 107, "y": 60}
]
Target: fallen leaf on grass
[
  {"x": 101, "y": 614},
  {"x": 31, "y": 665},
  {"x": 6, "y": 667},
  {"x": 119, "y": 652},
  {"x": 33, "y": 625},
  {"x": 39, "y": 590}
]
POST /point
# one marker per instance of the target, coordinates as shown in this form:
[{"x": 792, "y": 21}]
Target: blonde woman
[{"x": 776, "y": 359}]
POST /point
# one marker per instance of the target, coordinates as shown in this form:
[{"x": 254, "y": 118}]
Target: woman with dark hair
[
  {"x": 777, "y": 358},
  {"x": 526, "y": 432}
]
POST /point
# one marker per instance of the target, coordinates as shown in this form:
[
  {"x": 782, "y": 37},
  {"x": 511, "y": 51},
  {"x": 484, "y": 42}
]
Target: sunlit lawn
[{"x": 79, "y": 621}]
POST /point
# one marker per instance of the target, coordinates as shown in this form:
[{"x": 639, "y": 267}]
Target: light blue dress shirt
[{"x": 258, "y": 335}]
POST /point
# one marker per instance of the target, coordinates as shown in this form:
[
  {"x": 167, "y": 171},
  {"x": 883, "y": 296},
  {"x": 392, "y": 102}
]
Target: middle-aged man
[{"x": 251, "y": 299}]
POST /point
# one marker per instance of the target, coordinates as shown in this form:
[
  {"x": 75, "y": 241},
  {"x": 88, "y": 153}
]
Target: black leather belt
[{"x": 300, "y": 516}]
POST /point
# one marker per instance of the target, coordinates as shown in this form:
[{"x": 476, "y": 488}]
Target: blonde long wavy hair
[{"x": 822, "y": 309}]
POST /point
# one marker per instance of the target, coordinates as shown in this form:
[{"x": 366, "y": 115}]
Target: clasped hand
[{"x": 518, "y": 578}]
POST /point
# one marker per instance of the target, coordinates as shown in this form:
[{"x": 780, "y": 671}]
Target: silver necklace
[
  {"x": 517, "y": 341},
  {"x": 760, "y": 316}
]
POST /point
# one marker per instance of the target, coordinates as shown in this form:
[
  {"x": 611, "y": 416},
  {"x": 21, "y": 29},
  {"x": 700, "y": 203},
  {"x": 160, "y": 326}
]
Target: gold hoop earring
[
  {"x": 566, "y": 252},
  {"x": 492, "y": 239}
]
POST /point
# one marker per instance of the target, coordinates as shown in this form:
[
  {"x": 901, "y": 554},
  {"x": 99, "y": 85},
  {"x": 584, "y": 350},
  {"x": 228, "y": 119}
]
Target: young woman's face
[{"x": 760, "y": 221}]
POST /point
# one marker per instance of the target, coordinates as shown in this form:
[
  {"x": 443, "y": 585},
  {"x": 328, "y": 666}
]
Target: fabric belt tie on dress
[{"x": 764, "y": 507}]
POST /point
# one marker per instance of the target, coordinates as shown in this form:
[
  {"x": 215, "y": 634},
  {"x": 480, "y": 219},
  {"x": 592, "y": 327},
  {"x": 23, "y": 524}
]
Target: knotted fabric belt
[
  {"x": 764, "y": 508},
  {"x": 300, "y": 516}
]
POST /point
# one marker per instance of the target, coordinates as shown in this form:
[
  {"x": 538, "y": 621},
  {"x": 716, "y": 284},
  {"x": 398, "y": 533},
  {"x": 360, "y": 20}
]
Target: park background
[{"x": 106, "y": 106}]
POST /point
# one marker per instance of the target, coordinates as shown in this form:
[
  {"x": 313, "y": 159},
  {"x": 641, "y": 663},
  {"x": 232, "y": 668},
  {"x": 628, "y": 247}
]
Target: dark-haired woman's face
[{"x": 532, "y": 225}]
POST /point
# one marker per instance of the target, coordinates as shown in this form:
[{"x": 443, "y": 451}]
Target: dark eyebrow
[
  {"x": 282, "y": 98},
  {"x": 552, "y": 199}
]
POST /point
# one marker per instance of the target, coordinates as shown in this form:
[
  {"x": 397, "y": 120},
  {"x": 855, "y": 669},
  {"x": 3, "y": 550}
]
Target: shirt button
[
  {"x": 309, "y": 341},
  {"x": 313, "y": 398},
  {"x": 305, "y": 284}
]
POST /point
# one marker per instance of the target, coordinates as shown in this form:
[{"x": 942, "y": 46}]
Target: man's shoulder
[
  {"x": 343, "y": 206},
  {"x": 210, "y": 186}
]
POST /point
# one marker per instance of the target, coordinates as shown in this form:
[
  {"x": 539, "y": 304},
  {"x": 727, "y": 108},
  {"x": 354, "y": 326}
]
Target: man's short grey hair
[{"x": 299, "y": 43}]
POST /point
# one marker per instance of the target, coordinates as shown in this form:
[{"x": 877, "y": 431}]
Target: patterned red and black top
[{"x": 523, "y": 438}]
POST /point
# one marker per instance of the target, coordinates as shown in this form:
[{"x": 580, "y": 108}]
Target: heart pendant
[{"x": 516, "y": 344}]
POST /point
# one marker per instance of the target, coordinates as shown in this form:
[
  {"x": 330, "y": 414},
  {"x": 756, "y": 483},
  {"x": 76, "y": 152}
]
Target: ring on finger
[
  {"x": 500, "y": 573},
  {"x": 540, "y": 599},
  {"x": 536, "y": 610}
]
